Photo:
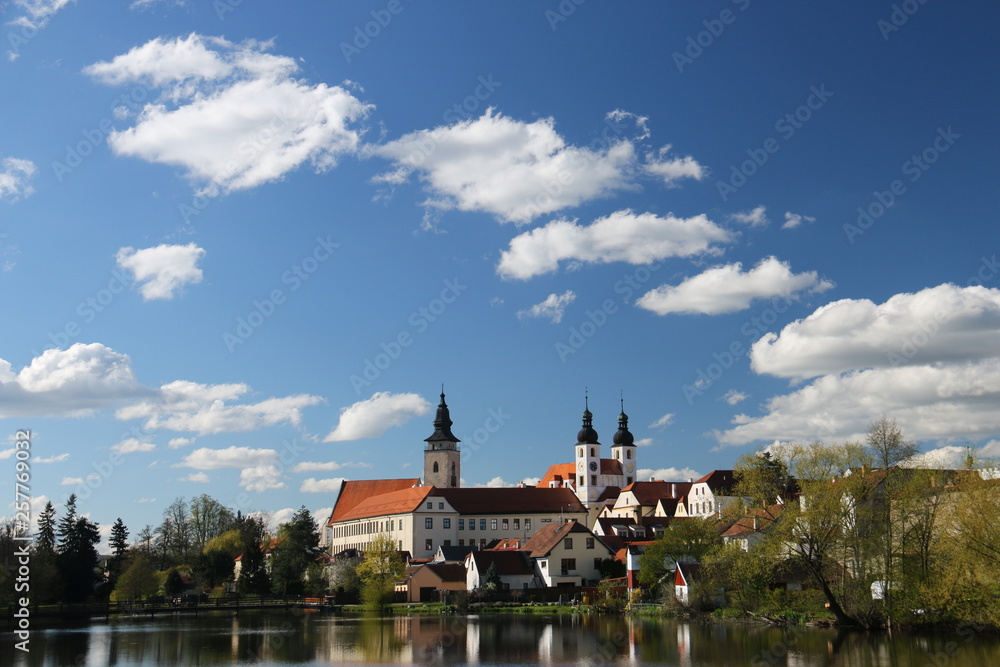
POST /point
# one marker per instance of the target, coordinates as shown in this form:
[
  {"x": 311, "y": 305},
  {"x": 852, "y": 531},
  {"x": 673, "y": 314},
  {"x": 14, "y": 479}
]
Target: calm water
[{"x": 314, "y": 639}]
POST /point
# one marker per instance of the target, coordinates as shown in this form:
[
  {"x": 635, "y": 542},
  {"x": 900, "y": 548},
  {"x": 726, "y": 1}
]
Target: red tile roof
[
  {"x": 546, "y": 539},
  {"x": 447, "y": 571},
  {"x": 395, "y": 502},
  {"x": 562, "y": 471},
  {"x": 512, "y": 500},
  {"x": 353, "y": 492}
]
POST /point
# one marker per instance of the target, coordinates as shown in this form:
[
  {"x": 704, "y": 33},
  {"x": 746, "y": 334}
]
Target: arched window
[
  {"x": 592, "y": 452},
  {"x": 435, "y": 466},
  {"x": 580, "y": 452},
  {"x": 628, "y": 454}
]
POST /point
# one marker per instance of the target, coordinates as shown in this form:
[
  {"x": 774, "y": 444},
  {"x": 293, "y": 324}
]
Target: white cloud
[
  {"x": 232, "y": 115},
  {"x": 942, "y": 324},
  {"x": 231, "y": 457},
  {"x": 133, "y": 445},
  {"x": 644, "y": 442},
  {"x": 162, "y": 270},
  {"x": 514, "y": 170},
  {"x": 68, "y": 383},
  {"x": 940, "y": 401},
  {"x": 728, "y": 289},
  {"x": 72, "y": 481},
  {"x": 197, "y": 477},
  {"x": 205, "y": 409},
  {"x": 58, "y": 458},
  {"x": 313, "y": 485},
  {"x": 37, "y": 12},
  {"x": 667, "y": 474},
  {"x": 15, "y": 178},
  {"x": 177, "y": 443},
  {"x": 370, "y": 418},
  {"x": 261, "y": 478},
  {"x": 146, "y": 4},
  {"x": 531, "y": 481},
  {"x": 146, "y": 500},
  {"x": 793, "y": 220},
  {"x": 623, "y": 236},
  {"x": 670, "y": 170},
  {"x": 733, "y": 397},
  {"x": 756, "y": 217},
  {"x": 663, "y": 421},
  {"x": 552, "y": 307}
]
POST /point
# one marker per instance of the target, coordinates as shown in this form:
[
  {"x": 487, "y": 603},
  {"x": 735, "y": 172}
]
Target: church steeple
[
  {"x": 587, "y": 435},
  {"x": 623, "y": 447},
  {"x": 623, "y": 436},
  {"x": 442, "y": 424}
]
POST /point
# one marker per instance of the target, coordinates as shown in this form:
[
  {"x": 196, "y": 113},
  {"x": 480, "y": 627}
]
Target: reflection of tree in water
[{"x": 378, "y": 640}]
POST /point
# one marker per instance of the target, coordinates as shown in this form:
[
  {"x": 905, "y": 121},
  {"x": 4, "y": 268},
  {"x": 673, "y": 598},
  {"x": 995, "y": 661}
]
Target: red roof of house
[
  {"x": 546, "y": 539},
  {"x": 394, "y": 502},
  {"x": 512, "y": 500},
  {"x": 560, "y": 471},
  {"x": 353, "y": 492},
  {"x": 447, "y": 571},
  {"x": 506, "y": 562}
]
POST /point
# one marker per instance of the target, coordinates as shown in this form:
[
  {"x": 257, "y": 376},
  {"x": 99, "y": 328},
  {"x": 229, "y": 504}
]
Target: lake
[{"x": 300, "y": 638}]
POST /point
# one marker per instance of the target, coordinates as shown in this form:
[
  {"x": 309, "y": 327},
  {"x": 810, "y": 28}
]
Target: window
[
  {"x": 472, "y": 524},
  {"x": 527, "y": 524},
  {"x": 461, "y": 524},
  {"x": 435, "y": 467},
  {"x": 447, "y": 543},
  {"x": 461, "y": 543},
  {"x": 581, "y": 480},
  {"x": 517, "y": 524},
  {"x": 428, "y": 523},
  {"x": 493, "y": 524},
  {"x": 592, "y": 450},
  {"x": 440, "y": 506},
  {"x": 482, "y": 543},
  {"x": 593, "y": 480},
  {"x": 579, "y": 452},
  {"x": 628, "y": 481},
  {"x": 482, "y": 524},
  {"x": 590, "y": 542},
  {"x": 391, "y": 524},
  {"x": 568, "y": 542},
  {"x": 505, "y": 525},
  {"x": 628, "y": 453},
  {"x": 429, "y": 545},
  {"x": 597, "y": 564},
  {"x": 446, "y": 523},
  {"x": 430, "y": 506},
  {"x": 568, "y": 565}
]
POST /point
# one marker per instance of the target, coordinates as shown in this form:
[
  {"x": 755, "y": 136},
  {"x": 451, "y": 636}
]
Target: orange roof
[
  {"x": 647, "y": 493},
  {"x": 354, "y": 492},
  {"x": 561, "y": 471},
  {"x": 395, "y": 502},
  {"x": 543, "y": 541}
]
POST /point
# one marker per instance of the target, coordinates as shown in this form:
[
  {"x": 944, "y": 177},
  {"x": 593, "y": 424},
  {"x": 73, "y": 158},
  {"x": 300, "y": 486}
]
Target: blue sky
[{"x": 242, "y": 246}]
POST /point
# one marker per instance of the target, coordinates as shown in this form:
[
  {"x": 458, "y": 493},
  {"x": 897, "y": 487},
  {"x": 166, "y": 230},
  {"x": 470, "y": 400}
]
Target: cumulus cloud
[
  {"x": 756, "y": 217},
  {"x": 552, "y": 307},
  {"x": 261, "y": 478},
  {"x": 37, "y": 13},
  {"x": 206, "y": 409},
  {"x": 72, "y": 481},
  {"x": 233, "y": 116},
  {"x": 518, "y": 170},
  {"x": 197, "y": 477},
  {"x": 326, "y": 466},
  {"x": 667, "y": 474},
  {"x": 370, "y": 418},
  {"x": 793, "y": 220},
  {"x": 729, "y": 289},
  {"x": 133, "y": 445},
  {"x": 206, "y": 458},
  {"x": 734, "y": 396},
  {"x": 623, "y": 236},
  {"x": 177, "y": 443},
  {"x": 58, "y": 458},
  {"x": 15, "y": 178},
  {"x": 945, "y": 324},
  {"x": 68, "y": 383},
  {"x": 929, "y": 402},
  {"x": 163, "y": 270},
  {"x": 643, "y": 442},
  {"x": 313, "y": 485}
]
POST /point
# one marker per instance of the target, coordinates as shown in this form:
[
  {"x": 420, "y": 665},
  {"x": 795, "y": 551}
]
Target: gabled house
[
  {"x": 567, "y": 554},
  {"x": 424, "y": 583},
  {"x": 515, "y": 568},
  {"x": 689, "y": 575},
  {"x": 749, "y": 529}
]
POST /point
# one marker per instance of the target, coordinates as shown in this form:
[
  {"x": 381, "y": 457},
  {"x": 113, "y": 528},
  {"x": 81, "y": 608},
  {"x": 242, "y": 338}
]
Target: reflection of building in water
[{"x": 684, "y": 645}]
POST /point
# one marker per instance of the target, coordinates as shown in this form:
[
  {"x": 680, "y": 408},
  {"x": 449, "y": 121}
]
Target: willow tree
[{"x": 379, "y": 572}]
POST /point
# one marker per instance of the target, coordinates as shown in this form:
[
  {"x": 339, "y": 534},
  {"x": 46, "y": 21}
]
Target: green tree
[
  {"x": 491, "y": 584},
  {"x": 208, "y": 518},
  {"x": 77, "y": 559},
  {"x": 763, "y": 478},
  {"x": 119, "y": 547},
  {"x": 173, "y": 585},
  {"x": 138, "y": 581},
  {"x": 381, "y": 568},
  {"x": 46, "y": 540},
  {"x": 253, "y": 572},
  {"x": 296, "y": 550},
  {"x": 46, "y": 582},
  {"x": 685, "y": 540}
]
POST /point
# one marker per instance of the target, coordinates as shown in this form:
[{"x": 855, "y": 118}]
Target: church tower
[
  {"x": 442, "y": 460},
  {"x": 588, "y": 460},
  {"x": 623, "y": 448}
]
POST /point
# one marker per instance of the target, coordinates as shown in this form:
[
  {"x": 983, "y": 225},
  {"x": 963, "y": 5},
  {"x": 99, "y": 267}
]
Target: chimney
[{"x": 673, "y": 489}]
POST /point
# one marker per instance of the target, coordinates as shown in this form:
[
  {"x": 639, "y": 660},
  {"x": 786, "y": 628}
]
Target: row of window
[
  {"x": 495, "y": 524},
  {"x": 367, "y": 528}
]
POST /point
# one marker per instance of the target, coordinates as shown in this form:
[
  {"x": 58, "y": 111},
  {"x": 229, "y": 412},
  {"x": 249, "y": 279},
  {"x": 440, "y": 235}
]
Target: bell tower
[
  {"x": 442, "y": 460},
  {"x": 623, "y": 448},
  {"x": 588, "y": 460}
]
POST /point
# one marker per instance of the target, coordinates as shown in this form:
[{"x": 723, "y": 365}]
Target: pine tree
[
  {"x": 119, "y": 547},
  {"x": 66, "y": 525},
  {"x": 46, "y": 540}
]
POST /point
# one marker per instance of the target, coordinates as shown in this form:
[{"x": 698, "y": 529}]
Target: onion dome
[{"x": 442, "y": 424}]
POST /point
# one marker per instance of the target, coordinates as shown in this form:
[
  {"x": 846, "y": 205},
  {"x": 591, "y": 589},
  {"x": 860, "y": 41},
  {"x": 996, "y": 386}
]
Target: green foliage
[
  {"x": 683, "y": 540},
  {"x": 381, "y": 568},
  {"x": 253, "y": 573},
  {"x": 612, "y": 569},
  {"x": 297, "y": 549},
  {"x": 138, "y": 581},
  {"x": 173, "y": 585}
]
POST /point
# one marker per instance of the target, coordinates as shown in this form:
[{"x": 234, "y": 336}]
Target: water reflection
[{"x": 298, "y": 638}]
